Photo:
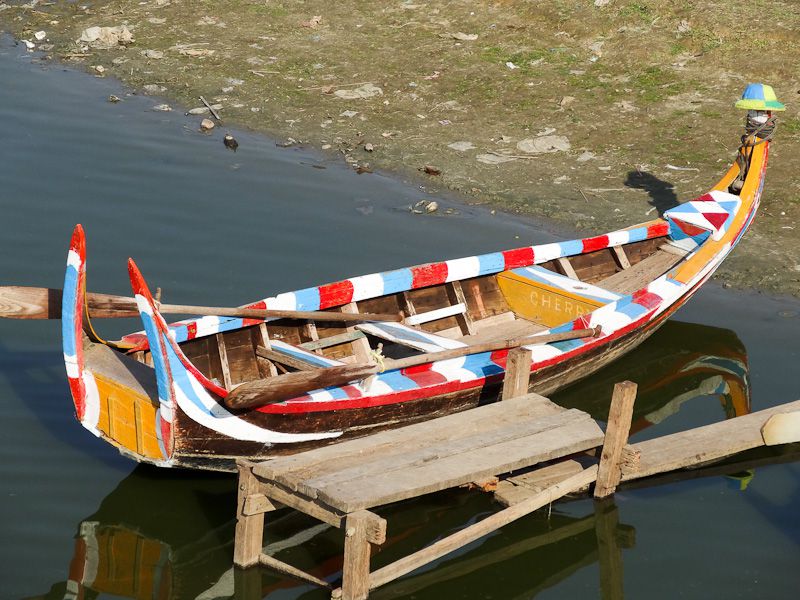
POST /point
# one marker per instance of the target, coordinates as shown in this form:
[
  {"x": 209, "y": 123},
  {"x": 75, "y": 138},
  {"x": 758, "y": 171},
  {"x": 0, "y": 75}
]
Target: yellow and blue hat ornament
[{"x": 759, "y": 96}]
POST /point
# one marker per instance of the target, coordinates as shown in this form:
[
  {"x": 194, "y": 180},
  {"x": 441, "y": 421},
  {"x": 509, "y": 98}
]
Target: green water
[{"x": 213, "y": 227}]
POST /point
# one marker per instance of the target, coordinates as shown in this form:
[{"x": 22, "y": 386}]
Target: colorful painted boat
[{"x": 162, "y": 399}]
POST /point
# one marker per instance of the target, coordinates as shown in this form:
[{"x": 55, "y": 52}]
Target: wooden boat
[{"x": 163, "y": 395}]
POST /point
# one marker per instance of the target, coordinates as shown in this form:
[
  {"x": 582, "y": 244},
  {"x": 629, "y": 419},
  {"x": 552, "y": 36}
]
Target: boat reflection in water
[
  {"x": 679, "y": 369},
  {"x": 161, "y": 535}
]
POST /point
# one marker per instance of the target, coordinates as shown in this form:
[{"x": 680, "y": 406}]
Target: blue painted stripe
[
  {"x": 68, "y": 298},
  {"x": 481, "y": 365},
  {"x": 637, "y": 235},
  {"x": 310, "y": 358},
  {"x": 397, "y": 381},
  {"x": 159, "y": 363},
  {"x": 397, "y": 281},
  {"x": 491, "y": 263},
  {"x": 632, "y": 310},
  {"x": 571, "y": 247},
  {"x": 337, "y": 393},
  {"x": 307, "y": 299}
]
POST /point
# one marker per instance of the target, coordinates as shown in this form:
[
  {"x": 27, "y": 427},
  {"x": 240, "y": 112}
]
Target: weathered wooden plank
[
  {"x": 480, "y": 529},
  {"x": 361, "y": 349},
  {"x": 518, "y": 373},
  {"x": 621, "y": 257},
  {"x": 287, "y": 569},
  {"x": 617, "y": 430},
  {"x": 380, "y": 466},
  {"x": 703, "y": 444},
  {"x": 223, "y": 358},
  {"x": 609, "y": 551},
  {"x": 451, "y": 471},
  {"x": 435, "y": 315},
  {"x": 519, "y": 487},
  {"x": 455, "y": 294},
  {"x": 529, "y": 407},
  {"x": 355, "y": 571},
  {"x": 285, "y": 359},
  {"x": 640, "y": 274},
  {"x": 249, "y": 527},
  {"x": 333, "y": 340},
  {"x": 566, "y": 268}
]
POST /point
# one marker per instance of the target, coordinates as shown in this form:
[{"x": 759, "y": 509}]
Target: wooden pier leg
[
  {"x": 619, "y": 425},
  {"x": 518, "y": 373},
  {"x": 355, "y": 573},
  {"x": 609, "y": 551},
  {"x": 249, "y": 527}
]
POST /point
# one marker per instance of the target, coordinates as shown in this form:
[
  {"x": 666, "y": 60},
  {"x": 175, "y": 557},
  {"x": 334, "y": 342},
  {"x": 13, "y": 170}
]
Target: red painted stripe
[
  {"x": 431, "y": 274},
  {"x": 657, "y": 229},
  {"x": 426, "y": 378},
  {"x": 646, "y": 299},
  {"x": 260, "y": 305},
  {"x": 519, "y": 257},
  {"x": 335, "y": 294},
  {"x": 191, "y": 330},
  {"x": 595, "y": 243}
]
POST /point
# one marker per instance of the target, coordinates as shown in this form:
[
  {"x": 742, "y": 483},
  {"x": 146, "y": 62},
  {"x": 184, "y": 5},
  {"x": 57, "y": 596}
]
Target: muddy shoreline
[{"x": 591, "y": 117}]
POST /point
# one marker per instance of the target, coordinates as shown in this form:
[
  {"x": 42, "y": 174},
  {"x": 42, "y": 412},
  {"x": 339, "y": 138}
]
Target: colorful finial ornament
[{"x": 759, "y": 96}]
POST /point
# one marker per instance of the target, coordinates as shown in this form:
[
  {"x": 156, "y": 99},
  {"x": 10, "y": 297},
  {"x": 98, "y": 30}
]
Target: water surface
[{"x": 213, "y": 227}]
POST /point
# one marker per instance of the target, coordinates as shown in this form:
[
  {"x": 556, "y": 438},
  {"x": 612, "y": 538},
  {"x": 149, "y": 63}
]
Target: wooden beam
[
  {"x": 621, "y": 257},
  {"x": 435, "y": 315},
  {"x": 249, "y": 527},
  {"x": 703, "y": 444},
  {"x": 566, "y": 268},
  {"x": 619, "y": 425},
  {"x": 455, "y": 294},
  {"x": 518, "y": 373},
  {"x": 285, "y": 359},
  {"x": 406, "y": 304},
  {"x": 333, "y": 340},
  {"x": 360, "y": 346},
  {"x": 223, "y": 359},
  {"x": 287, "y": 569},
  {"x": 355, "y": 571},
  {"x": 480, "y": 529},
  {"x": 270, "y": 368}
]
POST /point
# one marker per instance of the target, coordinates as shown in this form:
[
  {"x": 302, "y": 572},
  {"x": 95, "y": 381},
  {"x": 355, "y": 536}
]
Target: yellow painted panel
[
  {"x": 119, "y": 420},
  {"x": 540, "y": 303}
]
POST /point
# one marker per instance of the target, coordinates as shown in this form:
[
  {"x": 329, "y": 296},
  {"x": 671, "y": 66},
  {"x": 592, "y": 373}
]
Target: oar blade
[
  {"x": 20, "y": 302},
  {"x": 283, "y": 387}
]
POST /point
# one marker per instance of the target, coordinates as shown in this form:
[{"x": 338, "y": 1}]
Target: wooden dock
[{"x": 548, "y": 450}]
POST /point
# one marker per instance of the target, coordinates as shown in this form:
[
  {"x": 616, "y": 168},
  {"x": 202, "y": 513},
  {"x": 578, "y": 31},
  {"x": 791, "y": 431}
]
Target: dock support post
[
  {"x": 518, "y": 373},
  {"x": 355, "y": 572},
  {"x": 249, "y": 527},
  {"x": 619, "y": 425}
]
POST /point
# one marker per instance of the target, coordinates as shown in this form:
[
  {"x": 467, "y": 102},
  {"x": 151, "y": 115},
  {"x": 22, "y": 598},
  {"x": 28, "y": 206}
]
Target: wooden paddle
[
  {"x": 282, "y": 387},
  {"x": 18, "y": 302}
]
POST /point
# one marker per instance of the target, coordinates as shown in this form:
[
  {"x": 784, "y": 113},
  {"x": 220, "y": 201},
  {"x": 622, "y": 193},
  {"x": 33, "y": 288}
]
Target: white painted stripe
[
  {"x": 618, "y": 238},
  {"x": 91, "y": 410},
  {"x": 71, "y": 363},
  {"x": 73, "y": 260},
  {"x": 434, "y": 315},
  {"x": 285, "y": 301},
  {"x": 321, "y": 396},
  {"x": 462, "y": 268},
  {"x": 367, "y": 286},
  {"x": 453, "y": 369},
  {"x": 546, "y": 252}
]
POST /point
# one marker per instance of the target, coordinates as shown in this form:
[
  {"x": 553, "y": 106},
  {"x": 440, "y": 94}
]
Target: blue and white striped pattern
[{"x": 579, "y": 288}]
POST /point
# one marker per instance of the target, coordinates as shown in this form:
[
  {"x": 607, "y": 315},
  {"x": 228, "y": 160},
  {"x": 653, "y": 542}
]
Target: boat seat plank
[
  {"x": 639, "y": 275},
  {"x": 435, "y": 315},
  {"x": 507, "y": 330},
  {"x": 295, "y": 356},
  {"x": 407, "y": 336},
  {"x": 447, "y": 452}
]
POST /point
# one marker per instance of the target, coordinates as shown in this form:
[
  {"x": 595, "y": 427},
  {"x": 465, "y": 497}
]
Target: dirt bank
[{"x": 594, "y": 113}]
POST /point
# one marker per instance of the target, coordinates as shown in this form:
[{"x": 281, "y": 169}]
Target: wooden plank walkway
[{"x": 338, "y": 484}]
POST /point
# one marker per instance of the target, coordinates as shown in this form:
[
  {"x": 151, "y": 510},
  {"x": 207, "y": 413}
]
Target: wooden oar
[
  {"x": 18, "y": 302},
  {"x": 282, "y": 387}
]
